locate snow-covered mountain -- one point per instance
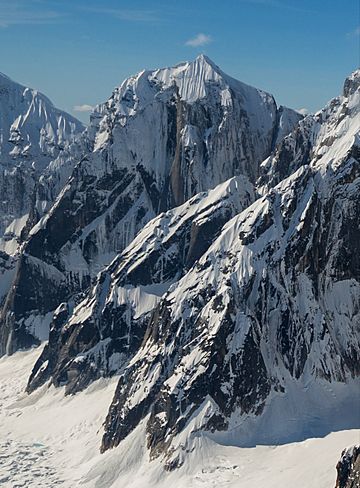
(263, 318)
(270, 310)
(33, 133)
(32, 129)
(206, 250)
(259, 316)
(161, 138)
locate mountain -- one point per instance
(235, 314)
(33, 133)
(161, 138)
(204, 253)
(268, 318)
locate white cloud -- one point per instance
(354, 33)
(199, 40)
(83, 108)
(303, 111)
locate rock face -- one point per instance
(161, 138)
(107, 328)
(348, 468)
(272, 304)
(33, 133)
(7, 272)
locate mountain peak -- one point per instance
(352, 83)
(203, 59)
(195, 78)
(191, 77)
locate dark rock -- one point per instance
(348, 469)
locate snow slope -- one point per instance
(47, 439)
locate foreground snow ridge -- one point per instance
(48, 440)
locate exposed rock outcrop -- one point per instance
(348, 468)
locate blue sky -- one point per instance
(77, 51)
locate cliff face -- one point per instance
(161, 138)
(348, 468)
